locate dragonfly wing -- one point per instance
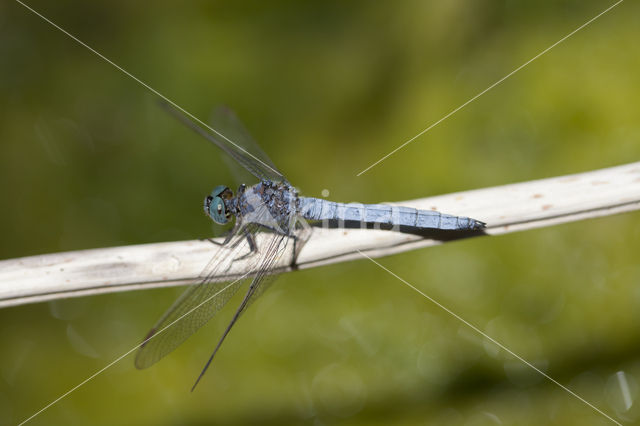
(202, 301)
(233, 144)
(275, 247)
(227, 122)
(195, 307)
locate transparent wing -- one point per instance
(226, 122)
(195, 307)
(235, 141)
(275, 248)
(202, 301)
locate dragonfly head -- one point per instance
(214, 204)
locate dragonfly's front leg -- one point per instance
(239, 229)
(225, 242)
(253, 246)
(228, 238)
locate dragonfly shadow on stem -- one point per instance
(427, 233)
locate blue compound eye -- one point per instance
(214, 206)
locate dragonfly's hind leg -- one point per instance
(300, 240)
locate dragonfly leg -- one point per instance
(225, 242)
(253, 247)
(236, 229)
(300, 240)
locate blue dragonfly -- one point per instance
(274, 207)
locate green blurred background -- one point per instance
(88, 160)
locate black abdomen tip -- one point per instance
(478, 225)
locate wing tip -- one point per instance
(479, 225)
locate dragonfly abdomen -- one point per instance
(384, 214)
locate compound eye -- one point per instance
(217, 211)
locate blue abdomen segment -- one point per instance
(383, 214)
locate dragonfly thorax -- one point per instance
(272, 205)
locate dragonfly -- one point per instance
(274, 208)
